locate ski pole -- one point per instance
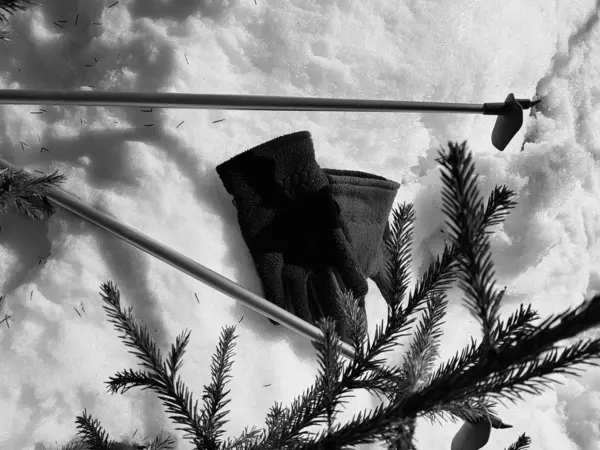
(510, 113)
(182, 263)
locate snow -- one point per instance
(161, 180)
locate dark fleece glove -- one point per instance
(290, 223)
(365, 202)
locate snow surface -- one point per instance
(161, 180)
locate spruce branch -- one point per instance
(308, 409)
(397, 244)
(516, 327)
(463, 207)
(383, 420)
(162, 376)
(470, 410)
(438, 276)
(247, 440)
(135, 335)
(92, 433)
(5, 36)
(26, 193)
(441, 273)
(417, 364)
(437, 279)
(389, 381)
(556, 327)
(522, 443)
(212, 416)
(160, 443)
(512, 357)
(500, 202)
(127, 379)
(530, 376)
(12, 6)
(364, 428)
(424, 349)
(319, 403)
(500, 379)
(398, 251)
(357, 322)
(403, 435)
(78, 445)
(284, 430)
(330, 366)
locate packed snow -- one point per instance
(157, 174)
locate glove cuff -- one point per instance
(288, 161)
(356, 178)
(365, 201)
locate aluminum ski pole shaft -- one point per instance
(181, 262)
(238, 102)
(508, 123)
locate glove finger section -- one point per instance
(313, 299)
(295, 280)
(346, 263)
(270, 269)
(326, 284)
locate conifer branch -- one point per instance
(160, 443)
(516, 327)
(308, 409)
(214, 395)
(305, 411)
(245, 441)
(92, 433)
(365, 428)
(135, 335)
(389, 381)
(330, 367)
(438, 276)
(382, 420)
(531, 375)
(403, 435)
(398, 249)
(127, 379)
(508, 357)
(12, 6)
(463, 207)
(356, 319)
(162, 377)
(78, 445)
(398, 238)
(522, 443)
(470, 410)
(27, 193)
(418, 361)
(417, 364)
(318, 404)
(500, 202)
(514, 356)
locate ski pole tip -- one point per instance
(535, 102)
